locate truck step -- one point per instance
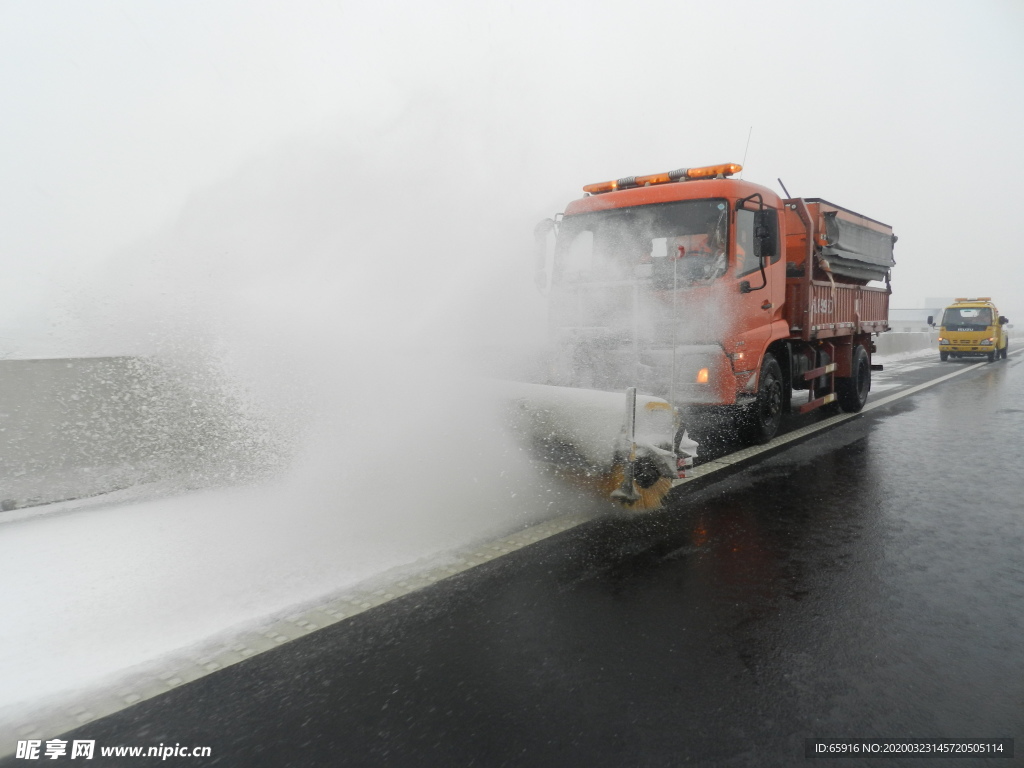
(816, 372)
(829, 398)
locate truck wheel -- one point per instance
(761, 421)
(852, 392)
(991, 357)
(943, 356)
(1004, 351)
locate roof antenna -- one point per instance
(789, 196)
(744, 163)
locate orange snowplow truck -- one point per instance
(713, 292)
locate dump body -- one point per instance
(846, 251)
(700, 291)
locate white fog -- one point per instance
(318, 218)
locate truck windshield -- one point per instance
(678, 243)
(967, 318)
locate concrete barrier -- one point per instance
(77, 427)
(893, 342)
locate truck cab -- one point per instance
(972, 328)
(675, 288)
(715, 293)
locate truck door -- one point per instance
(754, 301)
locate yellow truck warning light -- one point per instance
(682, 174)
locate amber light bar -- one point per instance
(682, 174)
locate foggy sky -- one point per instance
(119, 115)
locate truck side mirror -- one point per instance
(766, 234)
(1003, 320)
(931, 320)
(541, 237)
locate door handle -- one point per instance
(766, 305)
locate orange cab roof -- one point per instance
(665, 193)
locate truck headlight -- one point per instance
(987, 342)
(943, 341)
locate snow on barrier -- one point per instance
(76, 427)
(893, 342)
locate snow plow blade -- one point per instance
(622, 448)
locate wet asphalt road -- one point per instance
(866, 583)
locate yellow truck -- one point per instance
(972, 328)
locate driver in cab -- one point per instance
(702, 256)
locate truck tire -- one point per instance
(760, 421)
(943, 356)
(852, 392)
(1005, 350)
(992, 356)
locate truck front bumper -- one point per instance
(963, 349)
